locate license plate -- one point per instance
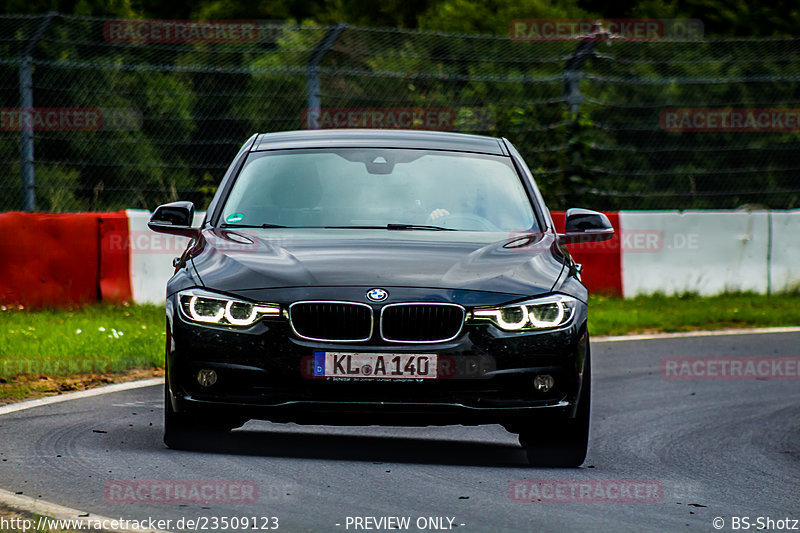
(374, 365)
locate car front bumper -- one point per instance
(263, 372)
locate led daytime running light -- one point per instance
(530, 313)
(548, 324)
(202, 318)
(226, 311)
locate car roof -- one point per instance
(374, 138)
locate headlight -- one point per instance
(210, 308)
(542, 313)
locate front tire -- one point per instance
(563, 442)
(188, 432)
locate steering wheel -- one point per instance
(465, 221)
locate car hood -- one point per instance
(273, 258)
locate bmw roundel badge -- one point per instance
(377, 295)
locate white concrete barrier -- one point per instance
(707, 252)
(784, 260)
(151, 257)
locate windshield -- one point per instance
(387, 188)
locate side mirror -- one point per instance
(583, 225)
(175, 219)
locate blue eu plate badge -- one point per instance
(319, 364)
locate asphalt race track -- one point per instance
(718, 448)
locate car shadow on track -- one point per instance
(366, 448)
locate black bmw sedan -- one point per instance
(379, 277)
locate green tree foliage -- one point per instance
(186, 107)
(721, 18)
(493, 16)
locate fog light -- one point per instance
(543, 382)
(207, 378)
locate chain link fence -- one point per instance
(101, 114)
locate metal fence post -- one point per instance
(572, 74)
(26, 119)
(312, 74)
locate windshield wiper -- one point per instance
(353, 227)
(416, 226)
(387, 226)
(394, 227)
(226, 225)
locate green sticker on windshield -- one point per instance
(234, 218)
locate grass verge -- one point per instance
(54, 351)
(50, 352)
(659, 313)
